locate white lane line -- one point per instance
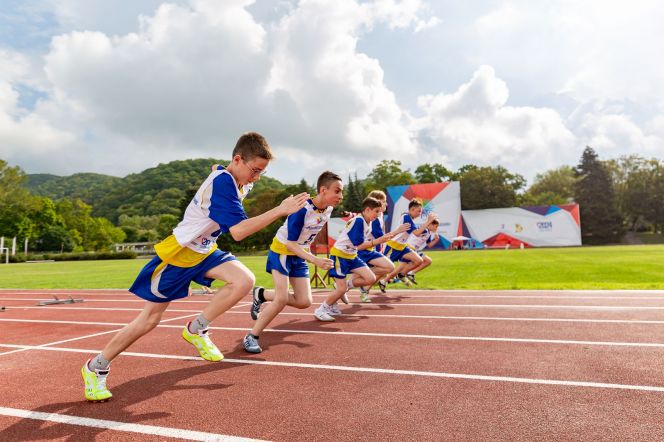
(91, 336)
(401, 304)
(395, 316)
(153, 430)
(125, 291)
(388, 371)
(371, 334)
(408, 295)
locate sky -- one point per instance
(118, 87)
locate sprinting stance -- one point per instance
(427, 239)
(191, 254)
(355, 236)
(397, 249)
(288, 257)
(379, 264)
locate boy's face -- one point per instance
(415, 211)
(333, 194)
(383, 206)
(371, 214)
(248, 171)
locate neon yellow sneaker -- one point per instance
(95, 384)
(203, 344)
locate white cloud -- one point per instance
(475, 125)
(22, 133)
(191, 78)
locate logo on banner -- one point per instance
(545, 226)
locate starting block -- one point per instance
(203, 291)
(3, 308)
(57, 300)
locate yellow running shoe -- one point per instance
(95, 384)
(203, 344)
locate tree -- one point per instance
(601, 222)
(432, 173)
(555, 186)
(388, 173)
(55, 239)
(489, 187)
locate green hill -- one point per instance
(154, 191)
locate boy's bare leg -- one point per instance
(361, 276)
(426, 262)
(279, 300)
(301, 297)
(147, 320)
(239, 282)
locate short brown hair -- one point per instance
(326, 178)
(378, 194)
(371, 203)
(414, 203)
(436, 222)
(251, 145)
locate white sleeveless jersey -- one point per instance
(356, 231)
(216, 207)
(302, 227)
(419, 242)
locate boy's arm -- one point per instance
(434, 242)
(323, 263)
(385, 238)
(432, 216)
(252, 225)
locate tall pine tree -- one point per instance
(601, 222)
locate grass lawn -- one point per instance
(614, 267)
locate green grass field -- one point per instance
(615, 267)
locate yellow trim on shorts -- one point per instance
(171, 252)
(396, 245)
(340, 254)
(280, 248)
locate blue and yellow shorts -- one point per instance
(342, 266)
(289, 265)
(163, 283)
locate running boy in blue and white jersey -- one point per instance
(191, 254)
(379, 264)
(418, 242)
(289, 253)
(355, 236)
(397, 249)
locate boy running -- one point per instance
(288, 257)
(379, 264)
(397, 249)
(427, 239)
(191, 254)
(355, 236)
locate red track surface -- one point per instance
(425, 365)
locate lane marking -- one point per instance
(389, 371)
(120, 426)
(371, 334)
(378, 315)
(408, 295)
(402, 304)
(89, 336)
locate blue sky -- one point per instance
(116, 87)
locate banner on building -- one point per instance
(540, 226)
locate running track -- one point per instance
(418, 365)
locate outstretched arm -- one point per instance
(252, 225)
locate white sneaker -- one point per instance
(334, 310)
(322, 314)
